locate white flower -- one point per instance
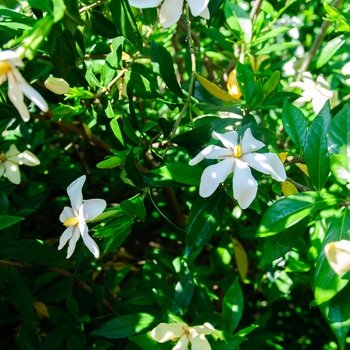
(237, 158)
(194, 335)
(57, 85)
(318, 92)
(338, 256)
(171, 10)
(346, 71)
(10, 160)
(75, 218)
(17, 86)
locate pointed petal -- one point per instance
(13, 151)
(318, 102)
(143, 4)
(250, 143)
(28, 158)
(65, 237)
(205, 13)
(229, 140)
(93, 208)
(73, 241)
(199, 342)
(245, 186)
(164, 331)
(213, 175)
(12, 172)
(266, 163)
(88, 241)
(182, 344)
(210, 152)
(66, 214)
(197, 6)
(206, 328)
(12, 58)
(170, 12)
(75, 194)
(321, 81)
(338, 256)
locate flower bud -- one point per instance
(57, 85)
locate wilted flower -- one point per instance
(318, 92)
(75, 218)
(57, 85)
(171, 10)
(237, 157)
(338, 256)
(10, 160)
(17, 86)
(194, 335)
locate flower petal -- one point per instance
(250, 143)
(338, 256)
(164, 331)
(266, 163)
(210, 152)
(213, 175)
(12, 172)
(11, 57)
(182, 344)
(75, 194)
(93, 208)
(245, 186)
(88, 241)
(199, 342)
(2, 169)
(205, 13)
(143, 4)
(206, 328)
(170, 12)
(318, 101)
(13, 151)
(73, 241)
(65, 237)
(197, 6)
(28, 158)
(229, 139)
(66, 214)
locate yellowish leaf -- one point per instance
(41, 309)
(215, 90)
(232, 85)
(283, 156)
(303, 168)
(240, 258)
(125, 56)
(288, 188)
(87, 130)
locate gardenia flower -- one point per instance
(75, 218)
(10, 160)
(338, 256)
(171, 10)
(318, 92)
(17, 86)
(194, 335)
(237, 157)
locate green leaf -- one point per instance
(116, 130)
(205, 216)
(272, 83)
(127, 325)
(103, 26)
(181, 172)
(195, 137)
(295, 124)
(276, 246)
(245, 78)
(239, 21)
(329, 50)
(113, 228)
(287, 211)
(140, 86)
(232, 306)
(135, 206)
(184, 291)
(145, 341)
(316, 153)
(72, 306)
(110, 66)
(327, 283)
(131, 170)
(8, 220)
(339, 132)
(163, 65)
(32, 252)
(340, 168)
(22, 298)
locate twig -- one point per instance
(95, 4)
(256, 9)
(300, 187)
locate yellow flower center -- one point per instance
(237, 151)
(4, 68)
(71, 221)
(2, 157)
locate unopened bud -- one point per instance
(57, 85)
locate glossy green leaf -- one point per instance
(140, 85)
(164, 66)
(326, 282)
(339, 132)
(329, 50)
(245, 78)
(316, 153)
(113, 228)
(205, 216)
(239, 21)
(116, 130)
(135, 206)
(277, 245)
(340, 168)
(195, 137)
(109, 70)
(272, 83)
(146, 342)
(184, 291)
(132, 172)
(289, 210)
(232, 306)
(294, 123)
(102, 25)
(8, 220)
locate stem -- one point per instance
(317, 43)
(95, 4)
(256, 9)
(298, 185)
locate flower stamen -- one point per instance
(71, 221)
(237, 151)
(4, 68)
(2, 157)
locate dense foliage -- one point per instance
(190, 160)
